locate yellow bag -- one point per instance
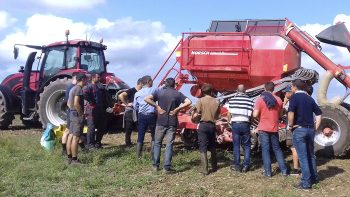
(59, 131)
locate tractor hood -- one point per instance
(113, 82)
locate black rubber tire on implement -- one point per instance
(51, 105)
(6, 118)
(340, 118)
(190, 138)
(31, 123)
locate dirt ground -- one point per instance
(334, 175)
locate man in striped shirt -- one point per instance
(240, 110)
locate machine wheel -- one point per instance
(52, 105)
(5, 117)
(333, 136)
(189, 138)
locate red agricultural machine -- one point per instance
(252, 52)
(37, 94)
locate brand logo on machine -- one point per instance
(213, 53)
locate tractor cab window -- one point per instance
(71, 57)
(54, 61)
(92, 60)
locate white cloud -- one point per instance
(71, 4)
(6, 20)
(135, 48)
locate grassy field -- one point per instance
(28, 170)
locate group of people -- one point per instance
(155, 110)
(86, 103)
(303, 118)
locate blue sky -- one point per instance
(140, 34)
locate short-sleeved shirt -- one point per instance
(131, 94)
(304, 108)
(140, 104)
(209, 108)
(241, 107)
(268, 118)
(94, 95)
(168, 99)
(69, 87)
(75, 91)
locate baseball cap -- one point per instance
(287, 89)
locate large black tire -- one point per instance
(6, 118)
(338, 119)
(52, 105)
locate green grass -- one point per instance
(26, 169)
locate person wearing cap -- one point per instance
(76, 106)
(208, 111)
(287, 94)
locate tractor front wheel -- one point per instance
(189, 138)
(52, 105)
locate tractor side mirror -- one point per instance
(106, 63)
(21, 69)
(15, 52)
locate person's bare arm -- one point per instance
(290, 119)
(318, 121)
(183, 105)
(123, 97)
(256, 113)
(77, 105)
(150, 100)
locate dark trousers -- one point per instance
(241, 136)
(206, 136)
(145, 122)
(96, 122)
(129, 126)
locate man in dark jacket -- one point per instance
(94, 94)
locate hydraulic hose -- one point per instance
(323, 88)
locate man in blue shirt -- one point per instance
(302, 108)
(146, 114)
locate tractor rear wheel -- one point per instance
(5, 117)
(333, 136)
(52, 105)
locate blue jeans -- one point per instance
(169, 134)
(241, 136)
(303, 141)
(265, 139)
(146, 122)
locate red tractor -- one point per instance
(252, 52)
(37, 95)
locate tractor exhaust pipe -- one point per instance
(323, 88)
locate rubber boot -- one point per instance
(127, 139)
(139, 147)
(152, 151)
(204, 163)
(213, 160)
